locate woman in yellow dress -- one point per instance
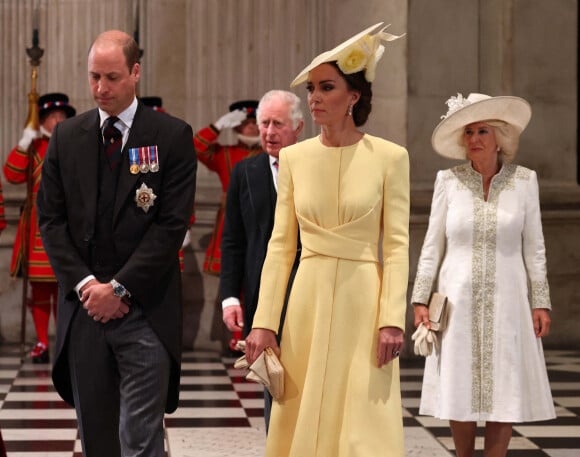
(347, 193)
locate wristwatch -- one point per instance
(119, 289)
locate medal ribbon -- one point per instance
(153, 159)
(143, 153)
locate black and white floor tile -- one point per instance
(220, 414)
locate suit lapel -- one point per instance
(87, 163)
(261, 191)
(143, 133)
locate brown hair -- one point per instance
(131, 51)
(358, 83)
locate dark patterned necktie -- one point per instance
(113, 142)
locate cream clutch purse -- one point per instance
(266, 370)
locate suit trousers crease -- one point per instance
(119, 372)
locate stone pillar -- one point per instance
(496, 21)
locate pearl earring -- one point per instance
(350, 110)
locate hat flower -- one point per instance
(353, 59)
(361, 55)
(455, 104)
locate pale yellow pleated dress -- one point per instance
(352, 207)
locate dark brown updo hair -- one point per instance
(357, 82)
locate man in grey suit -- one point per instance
(115, 198)
(249, 219)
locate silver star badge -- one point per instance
(144, 197)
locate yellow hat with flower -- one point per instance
(360, 52)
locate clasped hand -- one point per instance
(100, 302)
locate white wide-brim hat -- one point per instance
(360, 52)
(447, 138)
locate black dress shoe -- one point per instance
(39, 353)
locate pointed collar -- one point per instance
(126, 116)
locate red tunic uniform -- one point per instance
(220, 159)
(39, 268)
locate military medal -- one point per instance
(134, 160)
(144, 197)
(144, 159)
(153, 159)
(144, 165)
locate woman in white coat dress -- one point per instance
(484, 249)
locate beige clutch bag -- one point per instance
(266, 370)
(438, 311)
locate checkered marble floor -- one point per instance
(220, 414)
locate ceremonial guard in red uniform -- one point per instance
(52, 109)
(156, 104)
(221, 160)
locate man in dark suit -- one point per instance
(116, 195)
(249, 219)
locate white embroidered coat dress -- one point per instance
(488, 257)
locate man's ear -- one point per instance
(299, 128)
(136, 71)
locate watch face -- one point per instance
(119, 290)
